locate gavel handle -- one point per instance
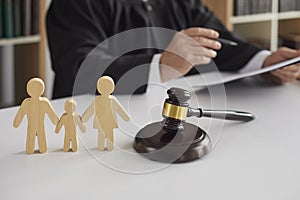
(222, 114)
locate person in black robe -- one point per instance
(76, 27)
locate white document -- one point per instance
(215, 78)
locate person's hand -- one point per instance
(190, 47)
(286, 74)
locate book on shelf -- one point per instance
(8, 18)
(297, 4)
(247, 7)
(35, 7)
(288, 5)
(239, 7)
(19, 18)
(1, 20)
(267, 8)
(26, 17)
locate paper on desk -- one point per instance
(216, 78)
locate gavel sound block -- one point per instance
(175, 141)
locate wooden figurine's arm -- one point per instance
(51, 113)
(60, 124)
(89, 112)
(118, 108)
(20, 114)
(80, 124)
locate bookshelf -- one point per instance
(28, 56)
(20, 40)
(267, 26)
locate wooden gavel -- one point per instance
(173, 140)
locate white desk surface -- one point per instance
(256, 160)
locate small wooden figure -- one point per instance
(105, 107)
(69, 120)
(35, 107)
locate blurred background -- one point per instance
(23, 42)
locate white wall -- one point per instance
(7, 81)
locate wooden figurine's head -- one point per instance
(105, 85)
(35, 87)
(70, 106)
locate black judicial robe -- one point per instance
(76, 27)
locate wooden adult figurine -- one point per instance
(105, 107)
(69, 120)
(35, 107)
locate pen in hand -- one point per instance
(227, 42)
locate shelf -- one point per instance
(252, 18)
(289, 15)
(26, 56)
(264, 17)
(20, 40)
(263, 25)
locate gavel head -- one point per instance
(175, 109)
(173, 140)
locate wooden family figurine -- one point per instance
(105, 107)
(70, 120)
(35, 107)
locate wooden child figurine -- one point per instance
(35, 107)
(69, 120)
(105, 107)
